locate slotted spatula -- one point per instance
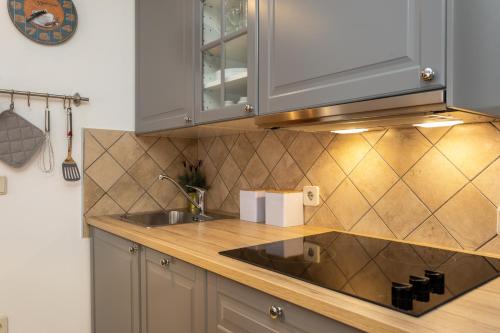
(69, 166)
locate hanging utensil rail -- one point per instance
(76, 98)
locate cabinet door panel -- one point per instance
(115, 285)
(164, 82)
(172, 295)
(323, 52)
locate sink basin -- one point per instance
(172, 217)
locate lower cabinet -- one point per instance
(232, 307)
(115, 284)
(173, 295)
(139, 290)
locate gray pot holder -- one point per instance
(19, 139)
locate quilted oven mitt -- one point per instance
(19, 139)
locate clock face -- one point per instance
(48, 22)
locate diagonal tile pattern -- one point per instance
(401, 183)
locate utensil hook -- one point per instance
(29, 98)
(47, 102)
(12, 100)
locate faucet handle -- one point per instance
(198, 189)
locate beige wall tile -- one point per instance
(105, 206)
(178, 202)
(92, 150)
(348, 150)
(305, 149)
(163, 152)
(372, 225)
(242, 151)
(373, 177)
(286, 137)
(347, 204)
(373, 136)
(230, 206)
(401, 210)
(163, 192)
(434, 134)
(270, 150)
(230, 172)
(144, 204)
(145, 141)
(270, 184)
(324, 138)
(92, 193)
(207, 142)
(240, 184)
(325, 218)
(434, 179)
(326, 174)
(287, 173)
(126, 151)
(217, 194)
(255, 138)
(209, 170)
(229, 140)
(106, 137)
(105, 171)
(255, 172)
(471, 147)
(125, 192)
(218, 153)
(469, 217)
(496, 124)
(402, 148)
(488, 182)
(145, 171)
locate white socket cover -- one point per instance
(311, 195)
(4, 325)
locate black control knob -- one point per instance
(437, 281)
(421, 287)
(402, 296)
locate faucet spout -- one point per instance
(200, 203)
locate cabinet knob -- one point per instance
(276, 312)
(133, 249)
(427, 74)
(165, 262)
(249, 108)
(188, 119)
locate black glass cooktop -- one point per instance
(407, 278)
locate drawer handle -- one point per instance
(165, 262)
(276, 312)
(133, 249)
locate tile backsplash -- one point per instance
(438, 186)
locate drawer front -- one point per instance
(175, 265)
(235, 308)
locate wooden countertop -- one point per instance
(200, 243)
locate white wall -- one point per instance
(44, 262)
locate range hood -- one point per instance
(424, 109)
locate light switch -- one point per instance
(4, 326)
(3, 187)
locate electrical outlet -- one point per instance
(4, 325)
(311, 195)
(3, 189)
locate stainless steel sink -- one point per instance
(164, 218)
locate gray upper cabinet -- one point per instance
(226, 33)
(325, 52)
(173, 295)
(234, 308)
(115, 284)
(164, 64)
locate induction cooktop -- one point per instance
(407, 278)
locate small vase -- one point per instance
(192, 208)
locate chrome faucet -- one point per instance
(199, 202)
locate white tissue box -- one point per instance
(253, 205)
(284, 208)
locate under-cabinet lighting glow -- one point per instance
(350, 131)
(440, 124)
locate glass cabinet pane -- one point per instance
(212, 21)
(212, 64)
(235, 16)
(235, 71)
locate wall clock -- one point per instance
(48, 22)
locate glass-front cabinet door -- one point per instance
(226, 60)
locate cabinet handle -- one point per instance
(276, 312)
(133, 249)
(249, 108)
(165, 262)
(427, 74)
(188, 119)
